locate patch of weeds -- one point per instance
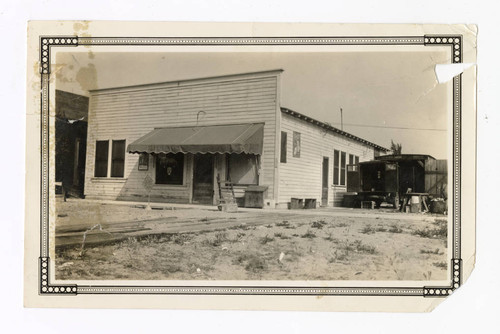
(281, 235)
(395, 229)
(269, 226)
(217, 240)
(181, 239)
(240, 235)
(435, 252)
(252, 262)
(362, 248)
(170, 268)
(428, 275)
(339, 256)
(309, 235)
(284, 223)
(318, 224)
(441, 265)
(381, 229)
(368, 229)
(204, 219)
(358, 247)
(265, 240)
(341, 225)
(295, 235)
(440, 232)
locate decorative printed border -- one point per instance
(46, 288)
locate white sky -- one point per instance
(375, 89)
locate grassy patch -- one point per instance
(428, 251)
(281, 235)
(265, 240)
(216, 240)
(395, 229)
(440, 231)
(252, 262)
(362, 248)
(309, 235)
(440, 265)
(368, 229)
(318, 224)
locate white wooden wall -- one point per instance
(302, 177)
(131, 112)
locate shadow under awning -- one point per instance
(236, 138)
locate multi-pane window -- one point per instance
(342, 168)
(336, 164)
(340, 162)
(170, 168)
(118, 158)
(101, 158)
(283, 147)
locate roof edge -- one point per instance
(223, 76)
(331, 128)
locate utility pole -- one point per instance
(341, 120)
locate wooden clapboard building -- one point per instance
(174, 140)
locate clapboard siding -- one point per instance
(301, 177)
(131, 112)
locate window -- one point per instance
(118, 158)
(296, 144)
(101, 158)
(170, 168)
(242, 168)
(351, 159)
(342, 168)
(336, 162)
(283, 147)
(356, 159)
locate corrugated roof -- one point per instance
(331, 128)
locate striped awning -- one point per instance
(236, 138)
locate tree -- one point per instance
(396, 148)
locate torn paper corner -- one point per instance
(446, 72)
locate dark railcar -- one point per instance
(387, 177)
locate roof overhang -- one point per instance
(328, 127)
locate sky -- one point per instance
(384, 95)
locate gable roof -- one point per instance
(331, 128)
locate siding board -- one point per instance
(301, 177)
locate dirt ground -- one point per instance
(323, 244)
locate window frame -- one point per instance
(228, 169)
(113, 159)
(336, 167)
(283, 146)
(343, 164)
(105, 161)
(183, 178)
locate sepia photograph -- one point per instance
(177, 165)
(259, 165)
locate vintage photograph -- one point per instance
(266, 165)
